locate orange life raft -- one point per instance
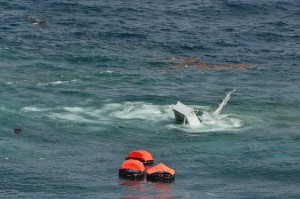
(132, 169)
(143, 156)
(161, 173)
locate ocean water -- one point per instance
(99, 80)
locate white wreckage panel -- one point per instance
(185, 114)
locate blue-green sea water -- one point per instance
(98, 80)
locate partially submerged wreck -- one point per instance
(187, 115)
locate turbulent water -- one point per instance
(98, 80)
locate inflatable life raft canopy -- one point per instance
(132, 169)
(161, 173)
(143, 156)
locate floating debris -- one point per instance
(193, 61)
(185, 115)
(36, 21)
(223, 103)
(17, 130)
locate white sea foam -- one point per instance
(54, 83)
(74, 109)
(211, 194)
(71, 117)
(33, 109)
(62, 82)
(151, 113)
(140, 110)
(105, 72)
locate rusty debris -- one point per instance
(193, 61)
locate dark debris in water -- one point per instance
(195, 62)
(121, 127)
(36, 21)
(17, 130)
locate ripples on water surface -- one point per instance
(99, 81)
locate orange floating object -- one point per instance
(143, 156)
(132, 169)
(160, 172)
